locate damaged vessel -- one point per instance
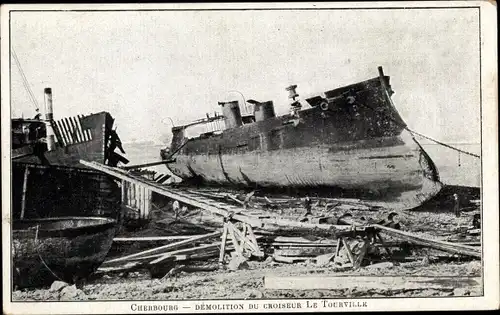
(349, 140)
(64, 142)
(48, 179)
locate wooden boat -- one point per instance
(65, 248)
(350, 139)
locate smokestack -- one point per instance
(49, 117)
(232, 114)
(263, 111)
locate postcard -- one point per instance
(249, 157)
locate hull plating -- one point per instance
(400, 175)
(357, 142)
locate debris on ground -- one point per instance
(187, 252)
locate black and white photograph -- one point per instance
(279, 157)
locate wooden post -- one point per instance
(237, 245)
(25, 188)
(362, 254)
(147, 203)
(223, 245)
(245, 241)
(383, 243)
(348, 249)
(133, 200)
(139, 201)
(339, 244)
(251, 235)
(123, 202)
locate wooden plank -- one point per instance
(453, 248)
(231, 230)
(299, 244)
(134, 196)
(361, 255)
(168, 246)
(151, 238)
(162, 190)
(25, 189)
(79, 134)
(368, 282)
(223, 245)
(275, 224)
(129, 194)
(67, 130)
(147, 204)
(84, 134)
(387, 250)
(295, 240)
(304, 251)
(74, 132)
(131, 167)
(348, 250)
(251, 236)
(199, 249)
(289, 260)
(25, 151)
(163, 178)
(339, 244)
(57, 133)
(138, 190)
(124, 192)
(63, 133)
(246, 240)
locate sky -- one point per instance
(148, 67)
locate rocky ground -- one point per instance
(248, 282)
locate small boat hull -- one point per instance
(65, 248)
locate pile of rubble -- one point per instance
(292, 234)
(263, 234)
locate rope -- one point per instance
(40, 256)
(443, 144)
(421, 135)
(25, 80)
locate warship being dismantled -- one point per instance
(348, 139)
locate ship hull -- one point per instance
(400, 175)
(351, 139)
